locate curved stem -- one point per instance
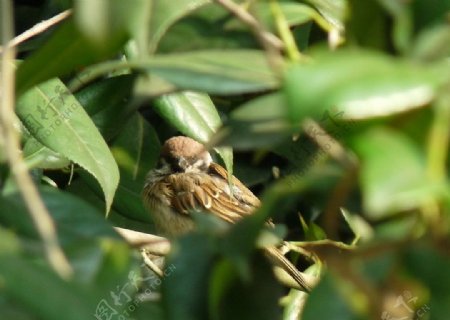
(11, 143)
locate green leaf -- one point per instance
(211, 26)
(56, 119)
(211, 71)
(214, 71)
(393, 173)
(184, 291)
(86, 237)
(107, 102)
(327, 301)
(242, 299)
(106, 22)
(36, 155)
(260, 122)
(192, 113)
(165, 13)
(432, 44)
(360, 84)
(195, 115)
(334, 11)
(136, 151)
(65, 51)
(368, 35)
(73, 217)
(17, 273)
(294, 13)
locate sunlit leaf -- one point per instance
(56, 119)
(195, 115)
(360, 84)
(393, 175)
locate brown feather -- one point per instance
(171, 197)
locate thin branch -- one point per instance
(285, 32)
(11, 141)
(271, 43)
(37, 29)
(341, 191)
(329, 144)
(153, 244)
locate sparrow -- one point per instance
(187, 180)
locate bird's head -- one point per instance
(184, 154)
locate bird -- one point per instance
(187, 180)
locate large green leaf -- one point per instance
(37, 155)
(107, 102)
(393, 172)
(360, 84)
(97, 31)
(86, 237)
(184, 291)
(214, 71)
(98, 255)
(17, 273)
(65, 51)
(239, 298)
(327, 301)
(195, 115)
(56, 119)
(208, 27)
(258, 122)
(136, 151)
(211, 71)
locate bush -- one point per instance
(337, 113)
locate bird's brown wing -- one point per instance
(210, 192)
(245, 196)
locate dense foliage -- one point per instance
(338, 115)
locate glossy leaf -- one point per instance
(259, 122)
(108, 104)
(195, 115)
(136, 151)
(56, 119)
(214, 71)
(359, 84)
(211, 26)
(39, 156)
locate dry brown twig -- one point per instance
(37, 29)
(153, 244)
(11, 144)
(270, 42)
